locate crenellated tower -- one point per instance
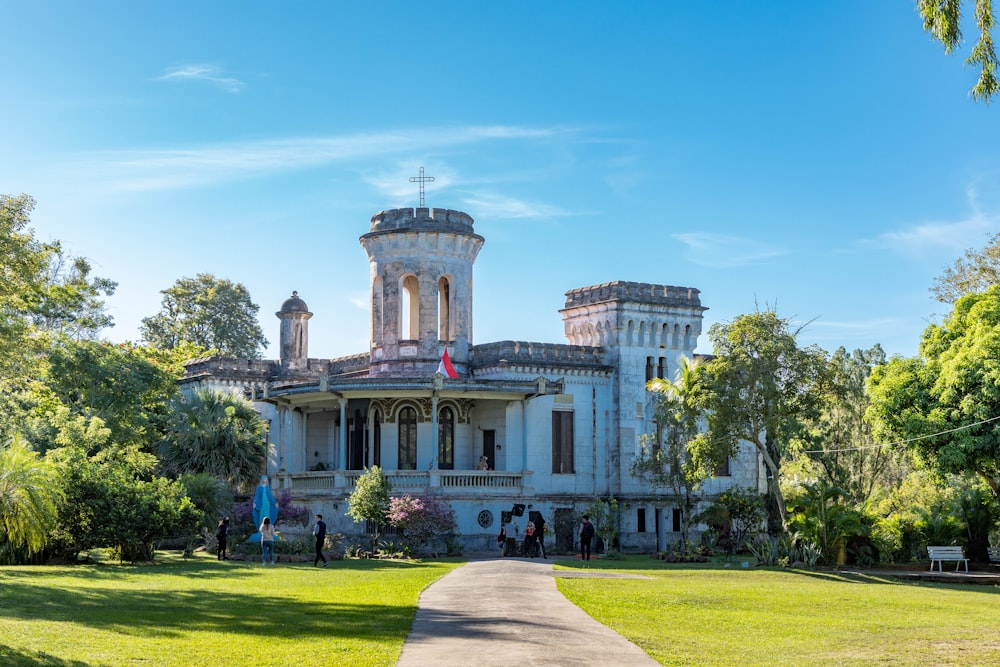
(421, 289)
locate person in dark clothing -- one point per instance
(319, 531)
(221, 535)
(586, 535)
(539, 521)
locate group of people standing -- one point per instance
(534, 537)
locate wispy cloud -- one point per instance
(212, 164)
(953, 236)
(210, 73)
(721, 251)
(936, 236)
(488, 206)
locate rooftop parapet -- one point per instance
(521, 352)
(421, 219)
(667, 295)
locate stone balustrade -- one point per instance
(403, 480)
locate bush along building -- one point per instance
(559, 425)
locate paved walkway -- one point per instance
(508, 612)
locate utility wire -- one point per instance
(900, 442)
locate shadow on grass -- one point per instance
(11, 657)
(27, 596)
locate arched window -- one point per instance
(446, 439)
(409, 316)
(377, 311)
(445, 327)
(377, 438)
(407, 439)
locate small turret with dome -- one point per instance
(294, 316)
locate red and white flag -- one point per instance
(446, 368)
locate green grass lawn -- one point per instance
(710, 615)
(200, 611)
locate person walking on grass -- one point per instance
(319, 532)
(586, 535)
(267, 541)
(221, 535)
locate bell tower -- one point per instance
(421, 289)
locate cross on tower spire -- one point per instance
(421, 179)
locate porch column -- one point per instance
(342, 458)
(524, 434)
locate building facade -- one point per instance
(559, 425)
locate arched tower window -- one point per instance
(446, 329)
(446, 439)
(407, 439)
(687, 337)
(409, 317)
(377, 311)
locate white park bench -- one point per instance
(940, 554)
(994, 555)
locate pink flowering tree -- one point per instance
(419, 520)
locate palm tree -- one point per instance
(677, 419)
(217, 433)
(30, 497)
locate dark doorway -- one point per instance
(356, 442)
(490, 447)
(565, 529)
(659, 524)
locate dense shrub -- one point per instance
(419, 520)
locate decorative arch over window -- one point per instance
(446, 326)
(407, 422)
(446, 439)
(409, 307)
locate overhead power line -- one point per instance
(901, 442)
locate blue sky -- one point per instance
(821, 158)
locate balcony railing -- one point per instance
(403, 480)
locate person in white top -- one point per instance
(512, 532)
(267, 540)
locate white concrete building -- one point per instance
(560, 424)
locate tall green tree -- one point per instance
(23, 261)
(217, 433)
(30, 498)
(125, 386)
(946, 402)
(668, 458)
(72, 301)
(213, 313)
(943, 20)
(975, 271)
(760, 387)
(370, 501)
(841, 449)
